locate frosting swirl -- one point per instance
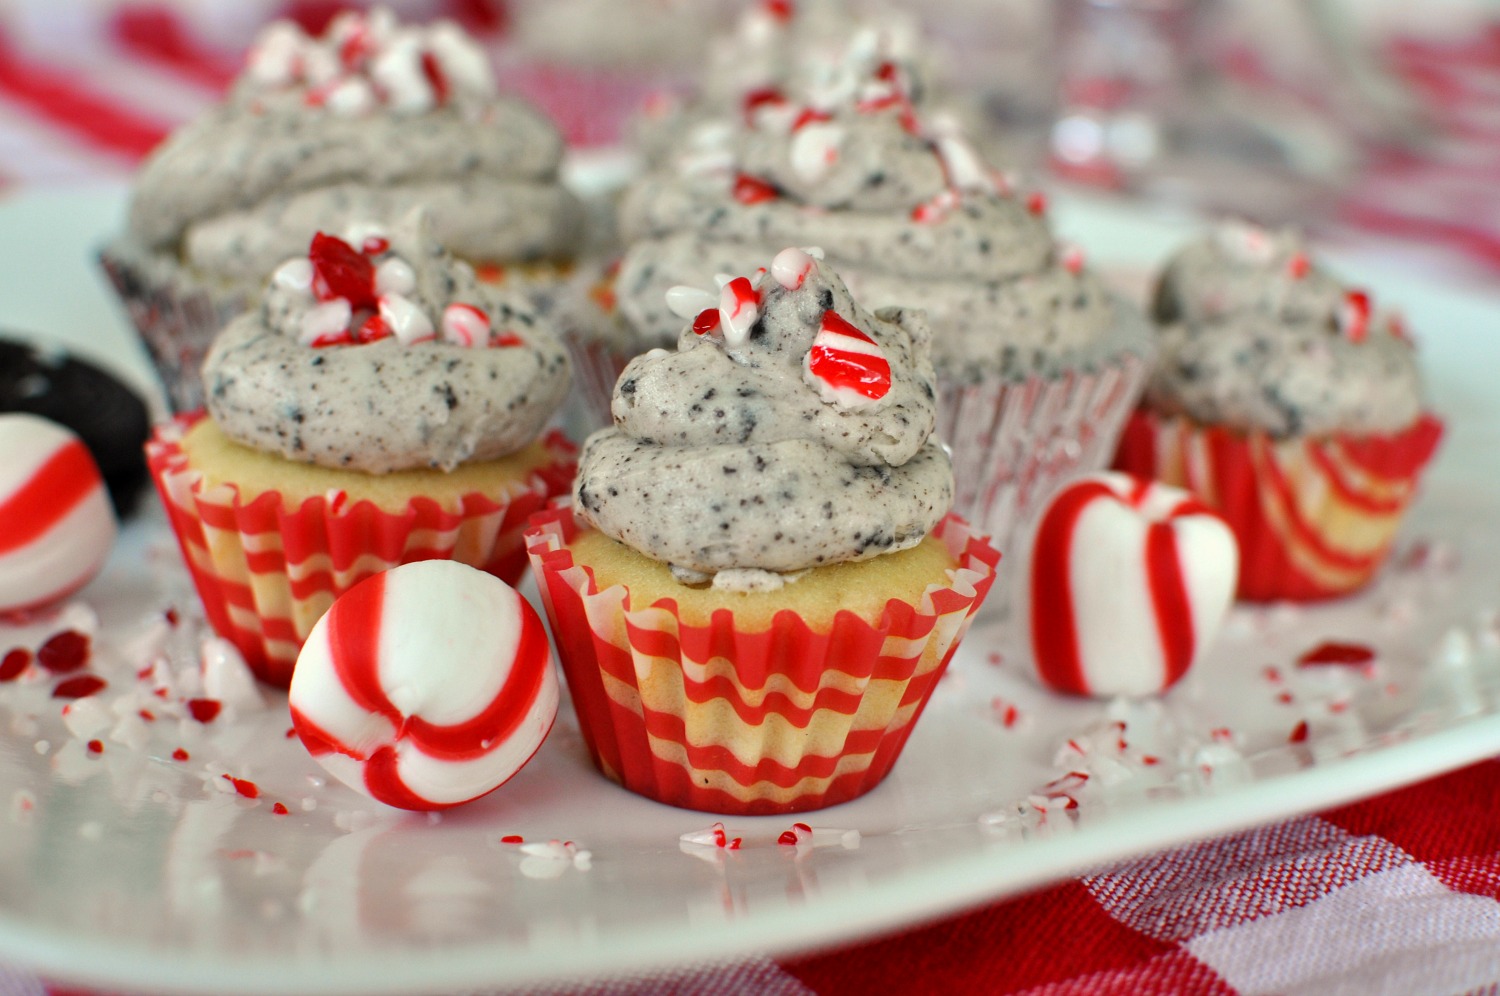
(1258, 338)
(369, 120)
(381, 353)
(905, 208)
(790, 428)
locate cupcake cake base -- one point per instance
(270, 543)
(753, 703)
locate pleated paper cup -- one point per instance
(267, 570)
(804, 714)
(1015, 443)
(1315, 518)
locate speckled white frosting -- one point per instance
(368, 121)
(905, 209)
(1257, 337)
(728, 454)
(390, 404)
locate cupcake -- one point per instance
(1288, 404)
(366, 121)
(758, 582)
(379, 406)
(1037, 363)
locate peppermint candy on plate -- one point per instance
(1129, 581)
(56, 522)
(426, 686)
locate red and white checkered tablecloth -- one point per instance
(1396, 894)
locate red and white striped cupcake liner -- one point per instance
(717, 718)
(1315, 518)
(267, 572)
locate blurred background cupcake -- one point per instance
(366, 120)
(758, 583)
(379, 405)
(1037, 362)
(1287, 403)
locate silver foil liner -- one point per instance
(176, 316)
(1016, 441)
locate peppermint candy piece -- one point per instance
(739, 309)
(341, 271)
(1130, 580)
(844, 365)
(56, 524)
(791, 266)
(426, 686)
(465, 325)
(1354, 316)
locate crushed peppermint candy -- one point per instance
(845, 366)
(358, 292)
(364, 62)
(715, 836)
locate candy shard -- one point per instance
(426, 686)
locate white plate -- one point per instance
(133, 870)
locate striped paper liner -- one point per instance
(1315, 518)
(716, 718)
(1015, 443)
(176, 315)
(266, 572)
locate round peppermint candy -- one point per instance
(56, 523)
(426, 686)
(1130, 579)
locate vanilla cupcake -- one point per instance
(758, 582)
(367, 121)
(379, 406)
(1286, 402)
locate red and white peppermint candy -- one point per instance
(1354, 316)
(791, 266)
(845, 366)
(466, 325)
(739, 309)
(426, 686)
(814, 148)
(1130, 580)
(56, 524)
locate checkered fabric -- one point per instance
(1398, 894)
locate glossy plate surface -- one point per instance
(133, 870)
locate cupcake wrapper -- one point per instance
(1315, 518)
(737, 722)
(176, 317)
(266, 572)
(1015, 443)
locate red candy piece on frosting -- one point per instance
(1354, 316)
(753, 190)
(1130, 580)
(340, 270)
(426, 686)
(846, 365)
(56, 523)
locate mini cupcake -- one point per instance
(367, 121)
(1037, 363)
(758, 583)
(380, 406)
(1287, 404)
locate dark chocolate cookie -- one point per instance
(108, 416)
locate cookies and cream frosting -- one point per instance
(378, 351)
(790, 428)
(366, 121)
(1257, 337)
(906, 210)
